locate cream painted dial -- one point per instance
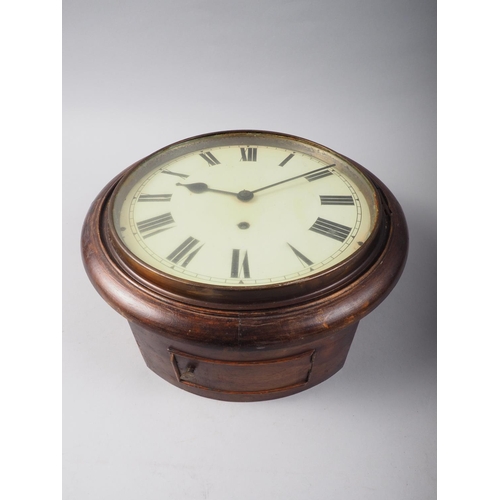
(244, 211)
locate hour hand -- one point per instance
(201, 187)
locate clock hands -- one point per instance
(245, 195)
(201, 187)
(293, 178)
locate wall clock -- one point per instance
(244, 260)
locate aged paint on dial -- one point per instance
(245, 215)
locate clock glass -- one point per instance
(244, 209)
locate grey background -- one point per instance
(357, 76)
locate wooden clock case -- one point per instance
(249, 349)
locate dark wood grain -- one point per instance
(243, 373)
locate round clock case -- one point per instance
(244, 260)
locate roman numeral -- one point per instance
(154, 197)
(183, 254)
(248, 154)
(318, 175)
(237, 268)
(184, 176)
(303, 259)
(210, 158)
(336, 200)
(155, 225)
(331, 229)
(286, 160)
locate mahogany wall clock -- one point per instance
(244, 260)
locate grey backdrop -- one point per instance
(355, 75)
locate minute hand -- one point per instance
(293, 178)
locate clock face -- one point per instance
(244, 209)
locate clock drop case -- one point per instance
(244, 260)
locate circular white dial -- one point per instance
(245, 214)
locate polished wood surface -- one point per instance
(244, 374)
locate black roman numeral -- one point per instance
(248, 154)
(210, 158)
(336, 200)
(286, 160)
(183, 254)
(318, 175)
(155, 225)
(303, 259)
(184, 176)
(154, 197)
(236, 268)
(331, 229)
